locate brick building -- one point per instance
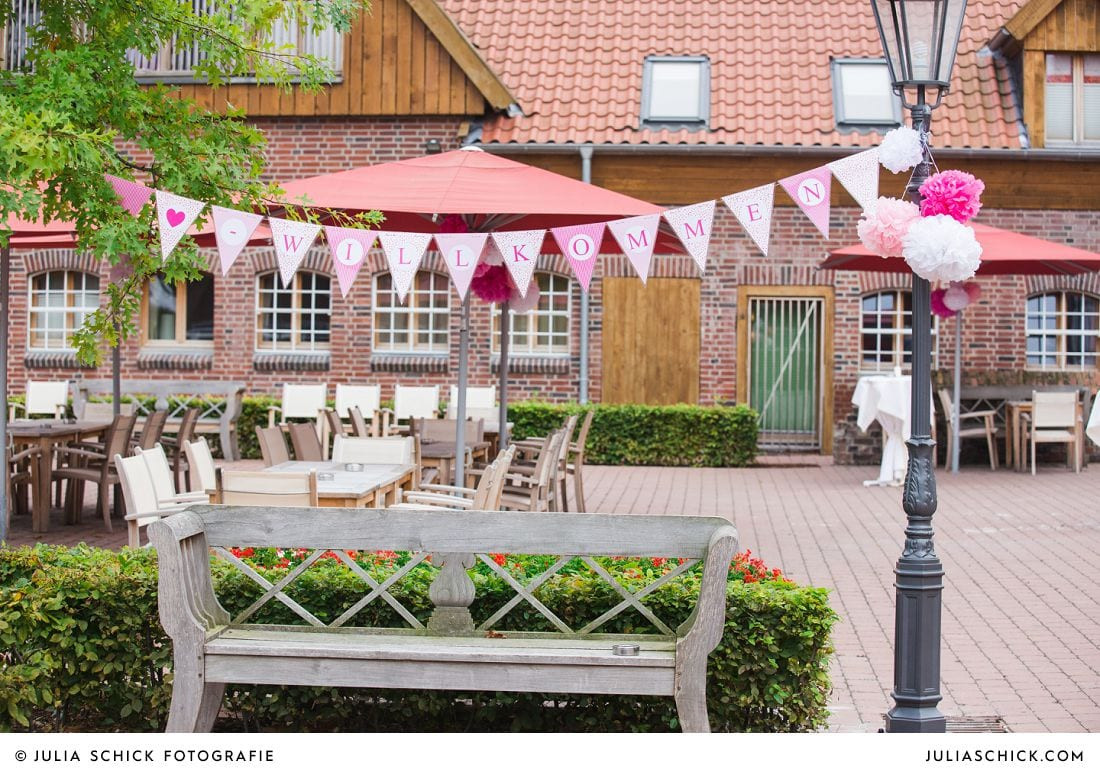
(675, 105)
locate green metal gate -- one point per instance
(785, 370)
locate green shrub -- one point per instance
(666, 435)
(82, 648)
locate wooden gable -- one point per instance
(406, 57)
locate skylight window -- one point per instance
(862, 93)
(676, 90)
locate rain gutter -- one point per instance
(586, 177)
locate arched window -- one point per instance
(886, 331)
(1062, 330)
(297, 318)
(419, 326)
(59, 302)
(544, 331)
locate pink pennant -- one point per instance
(232, 230)
(692, 224)
(520, 250)
(461, 253)
(580, 244)
(349, 248)
(292, 239)
(404, 251)
(132, 195)
(175, 214)
(637, 236)
(810, 191)
(753, 209)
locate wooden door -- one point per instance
(650, 341)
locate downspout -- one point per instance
(586, 177)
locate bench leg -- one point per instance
(691, 699)
(195, 704)
(229, 448)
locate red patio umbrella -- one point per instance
(1003, 252)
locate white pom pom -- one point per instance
(956, 297)
(520, 304)
(900, 149)
(492, 256)
(941, 249)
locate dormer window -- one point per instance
(862, 94)
(1072, 98)
(676, 91)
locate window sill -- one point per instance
(268, 362)
(54, 359)
(175, 358)
(409, 363)
(535, 364)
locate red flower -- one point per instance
(498, 558)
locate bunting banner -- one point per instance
(404, 251)
(461, 253)
(691, 225)
(858, 174)
(292, 239)
(175, 214)
(349, 248)
(753, 210)
(580, 245)
(131, 195)
(637, 237)
(232, 230)
(810, 191)
(520, 250)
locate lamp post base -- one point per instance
(914, 719)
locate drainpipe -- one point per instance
(586, 177)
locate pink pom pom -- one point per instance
(881, 229)
(521, 305)
(493, 285)
(453, 224)
(953, 193)
(938, 306)
(955, 297)
(974, 290)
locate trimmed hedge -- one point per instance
(82, 648)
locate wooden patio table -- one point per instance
(376, 485)
(46, 435)
(441, 455)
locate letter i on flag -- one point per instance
(810, 191)
(292, 239)
(131, 195)
(461, 253)
(404, 251)
(349, 248)
(232, 230)
(520, 250)
(580, 244)
(637, 236)
(753, 209)
(175, 214)
(692, 224)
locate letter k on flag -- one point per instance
(520, 250)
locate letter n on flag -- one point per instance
(404, 250)
(520, 250)
(349, 248)
(580, 244)
(461, 253)
(692, 224)
(810, 191)
(292, 239)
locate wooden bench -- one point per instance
(213, 648)
(220, 404)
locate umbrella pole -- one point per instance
(460, 409)
(5, 281)
(956, 397)
(116, 370)
(505, 325)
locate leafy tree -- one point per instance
(75, 112)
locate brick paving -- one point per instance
(1021, 619)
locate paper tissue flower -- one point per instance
(881, 229)
(900, 149)
(491, 284)
(522, 305)
(956, 297)
(953, 193)
(939, 308)
(941, 249)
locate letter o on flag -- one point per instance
(582, 247)
(350, 252)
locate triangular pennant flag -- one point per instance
(349, 251)
(753, 209)
(580, 244)
(292, 239)
(132, 195)
(175, 214)
(810, 191)
(461, 253)
(859, 175)
(520, 250)
(404, 251)
(637, 236)
(232, 230)
(692, 225)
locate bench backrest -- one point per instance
(220, 402)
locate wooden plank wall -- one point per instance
(650, 344)
(393, 65)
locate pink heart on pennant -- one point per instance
(174, 217)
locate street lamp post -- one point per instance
(919, 39)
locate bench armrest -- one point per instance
(188, 607)
(435, 488)
(702, 631)
(438, 499)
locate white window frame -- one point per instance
(842, 119)
(296, 311)
(1060, 332)
(69, 309)
(898, 330)
(1078, 84)
(385, 302)
(701, 118)
(558, 286)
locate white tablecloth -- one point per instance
(1092, 429)
(887, 400)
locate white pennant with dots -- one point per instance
(520, 250)
(175, 214)
(292, 239)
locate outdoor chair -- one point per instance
(152, 430)
(1054, 419)
(185, 434)
(375, 450)
(20, 478)
(79, 466)
(200, 463)
(142, 507)
(334, 426)
(558, 476)
(300, 401)
(366, 397)
(43, 398)
(529, 485)
(267, 489)
(972, 424)
(359, 426)
(306, 443)
(576, 467)
(164, 487)
(272, 445)
(413, 403)
(104, 411)
(481, 403)
(486, 496)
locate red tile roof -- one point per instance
(575, 67)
